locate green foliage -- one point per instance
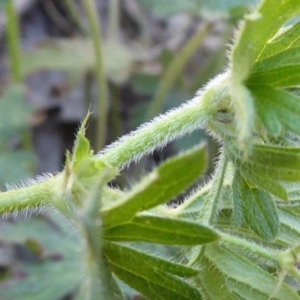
(76, 56)
(15, 164)
(238, 236)
(45, 267)
(159, 187)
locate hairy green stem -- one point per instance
(27, 198)
(194, 202)
(13, 41)
(209, 209)
(174, 70)
(156, 134)
(253, 248)
(190, 116)
(94, 24)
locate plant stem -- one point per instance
(94, 24)
(156, 134)
(114, 17)
(190, 116)
(13, 40)
(193, 203)
(174, 70)
(209, 209)
(27, 198)
(252, 248)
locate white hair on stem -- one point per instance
(163, 129)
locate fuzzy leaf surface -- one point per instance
(162, 230)
(213, 282)
(159, 187)
(147, 272)
(142, 259)
(260, 212)
(155, 285)
(266, 184)
(289, 227)
(244, 272)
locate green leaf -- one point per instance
(148, 269)
(260, 212)
(54, 274)
(278, 157)
(113, 250)
(162, 230)
(270, 172)
(238, 214)
(257, 30)
(289, 57)
(279, 77)
(287, 38)
(213, 282)
(244, 272)
(118, 252)
(167, 181)
(14, 112)
(155, 285)
(77, 55)
(245, 291)
(280, 54)
(290, 227)
(266, 184)
(277, 109)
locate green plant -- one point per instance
(237, 237)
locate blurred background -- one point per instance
(126, 61)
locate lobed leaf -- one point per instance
(159, 187)
(246, 275)
(143, 260)
(162, 230)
